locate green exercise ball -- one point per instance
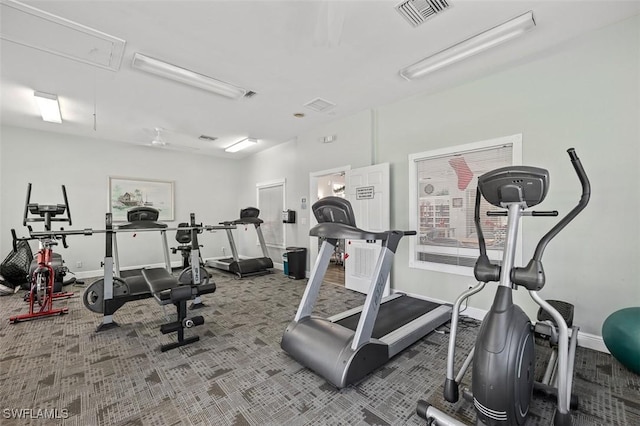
(621, 334)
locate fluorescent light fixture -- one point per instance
(471, 46)
(185, 76)
(49, 107)
(243, 144)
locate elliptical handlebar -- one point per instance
(532, 276)
(584, 200)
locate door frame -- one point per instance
(313, 193)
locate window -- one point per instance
(442, 200)
(271, 203)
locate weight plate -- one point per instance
(185, 276)
(93, 297)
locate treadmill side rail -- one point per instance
(358, 309)
(405, 336)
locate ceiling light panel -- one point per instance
(471, 46)
(41, 30)
(185, 76)
(49, 107)
(243, 144)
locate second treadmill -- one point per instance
(346, 347)
(245, 267)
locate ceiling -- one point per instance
(288, 52)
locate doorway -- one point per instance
(324, 184)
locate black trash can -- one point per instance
(297, 262)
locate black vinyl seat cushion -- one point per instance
(161, 282)
(159, 279)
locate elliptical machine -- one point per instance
(504, 354)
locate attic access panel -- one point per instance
(44, 31)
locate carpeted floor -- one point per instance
(237, 374)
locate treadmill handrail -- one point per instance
(247, 221)
(344, 231)
(142, 224)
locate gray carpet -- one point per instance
(237, 374)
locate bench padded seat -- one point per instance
(159, 279)
(161, 282)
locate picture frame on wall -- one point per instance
(126, 193)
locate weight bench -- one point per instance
(166, 289)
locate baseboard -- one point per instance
(585, 340)
(592, 341)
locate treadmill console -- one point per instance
(142, 213)
(334, 210)
(143, 217)
(249, 212)
(514, 184)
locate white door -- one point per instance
(367, 189)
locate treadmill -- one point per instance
(346, 347)
(245, 267)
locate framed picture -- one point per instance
(456, 202)
(125, 193)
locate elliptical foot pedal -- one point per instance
(564, 308)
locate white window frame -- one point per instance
(516, 143)
(270, 184)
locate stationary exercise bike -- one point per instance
(504, 354)
(47, 267)
(187, 248)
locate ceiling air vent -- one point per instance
(249, 94)
(207, 138)
(418, 11)
(320, 105)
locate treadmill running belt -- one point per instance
(392, 315)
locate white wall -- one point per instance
(49, 160)
(584, 94)
(294, 161)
